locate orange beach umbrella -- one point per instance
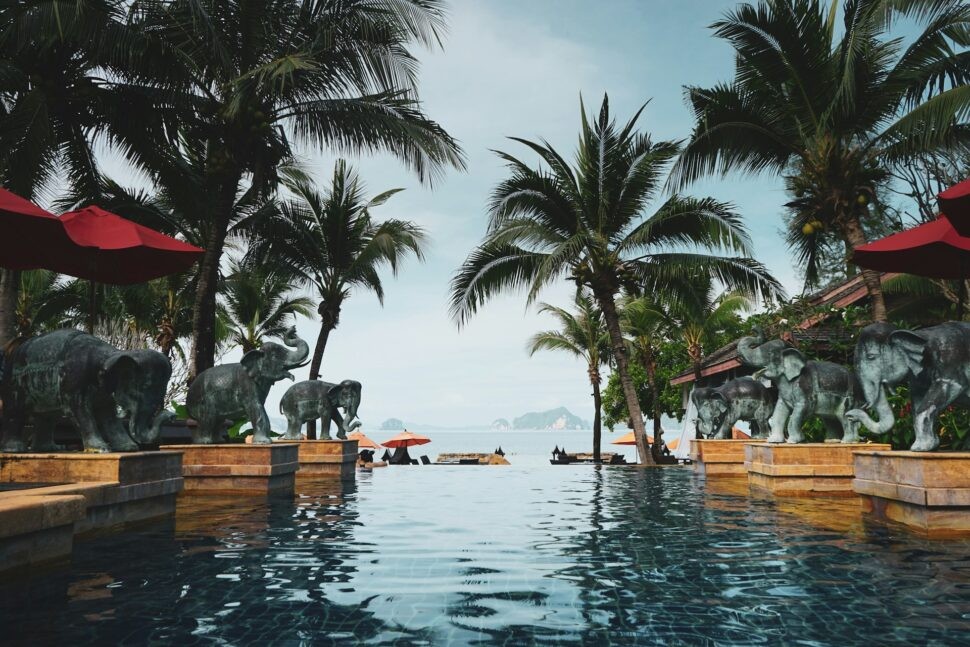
(406, 439)
(629, 439)
(363, 442)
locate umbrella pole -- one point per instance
(92, 305)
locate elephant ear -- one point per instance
(719, 402)
(252, 361)
(118, 369)
(911, 347)
(334, 392)
(792, 363)
(696, 396)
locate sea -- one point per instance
(527, 448)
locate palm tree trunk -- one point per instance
(597, 421)
(9, 289)
(322, 337)
(204, 314)
(856, 237)
(604, 297)
(658, 431)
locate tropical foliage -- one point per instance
(833, 109)
(330, 243)
(586, 222)
(581, 333)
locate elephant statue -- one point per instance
(806, 389)
(68, 374)
(934, 362)
(743, 398)
(312, 399)
(231, 391)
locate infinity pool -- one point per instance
(504, 556)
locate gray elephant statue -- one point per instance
(68, 374)
(744, 398)
(806, 389)
(233, 391)
(312, 399)
(934, 362)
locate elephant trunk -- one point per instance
(882, 409)
(750, 350)
(301, 350)
(155, 430)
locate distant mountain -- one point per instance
(501, 425)
(559, 418)
(392, 424)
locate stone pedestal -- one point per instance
(926, 491)
(807, 469)
(36, 529)
(719, 457)
(336, 458)
(239, 469)
(118, 488)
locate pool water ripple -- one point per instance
(502, 556)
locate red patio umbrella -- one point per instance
(934, 249)
(121, 252)
(30, 237)
(111, 249)
(955, 203)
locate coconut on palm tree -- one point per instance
(588, 222)
(581, 333)
(248, 78)
(833, 109)
(331, 242)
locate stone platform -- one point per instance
(337, 458)
(117, 488)
(928, 492)
(805, 469)
(239, 469)
(719, 457)
(36, 529)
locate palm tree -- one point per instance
(587, 221)
(331, 242)
(647, 324)
(702, 314)
(53, 102)
(832, 111)
(582, 334)
(249, 78)
(257, 303)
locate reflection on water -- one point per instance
(427, 555)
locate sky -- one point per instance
(514, 68)
(517, 68)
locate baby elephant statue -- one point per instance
(934, 362)
(305, 401)
(70, 374)
(741, 399)
(232, 391)
(805, 389)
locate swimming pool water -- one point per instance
(502, 556)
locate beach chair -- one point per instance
(425, 460)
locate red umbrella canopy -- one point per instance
(406, 439)
(955, 203)
(30, 237)
(934, 249)
(118, 251)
